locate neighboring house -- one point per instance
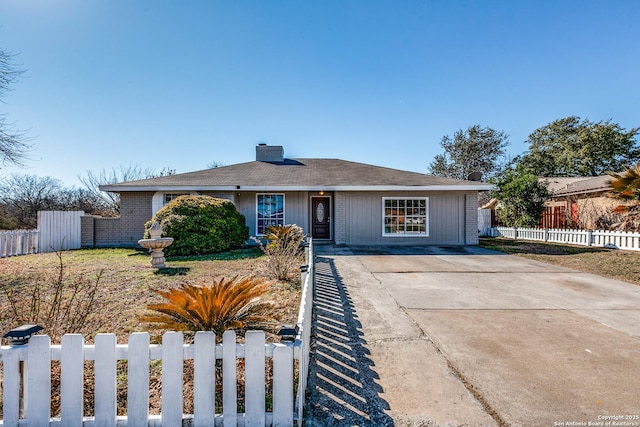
(333, 200)
(582, 202)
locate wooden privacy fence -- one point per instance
(18, 242)
(57, 230)
(600, 238)
(485, 219)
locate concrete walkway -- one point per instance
(468, 337)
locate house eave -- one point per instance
(272, 188)
(576, 193)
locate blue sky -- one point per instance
(184, 84)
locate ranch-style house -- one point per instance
(334, 200)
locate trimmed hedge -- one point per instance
(200, 225)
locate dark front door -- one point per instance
(321, 217)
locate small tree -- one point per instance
(284, 250)
(201, 225)
(522, 197)
(61, 303)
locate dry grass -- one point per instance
(127, 282)
(125, 289)
(613, 263)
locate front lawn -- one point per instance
(124, 289)
(613, 263)
(127, 282)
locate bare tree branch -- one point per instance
(14, 144)
(111, 201)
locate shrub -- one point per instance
(284, 250)
(200, 225)
(225, 304)
(61, 303)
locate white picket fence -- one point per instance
(18, 242)
(26, 369)
(139, 353)
(599, 238)
(303, 340)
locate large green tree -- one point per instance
(476, 149)
(575, 147)
(522, 197)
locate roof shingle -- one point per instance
(303, 173)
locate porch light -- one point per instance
(321, 193)
(288, 332)
(21, 334)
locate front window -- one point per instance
(170, 196)
(405, 216)
(270, 211)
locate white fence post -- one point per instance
(138, 380)
(204, 379)
(229, 387)
(11, 386)
(283, 407)
(72, 388)
(38, 373)
(254, 387)
(105, 380)
(172, 373)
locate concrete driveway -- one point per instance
(466, 336)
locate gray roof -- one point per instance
(298, 174)
(579, 185)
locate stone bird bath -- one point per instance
(156, 243)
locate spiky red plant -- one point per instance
(626, 187)
(224, 304)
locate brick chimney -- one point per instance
(269, 153)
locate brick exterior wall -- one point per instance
(471, 218)
(124, 231)
(107, 233)
(135, 211)
(87, 236)
(340, 218)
